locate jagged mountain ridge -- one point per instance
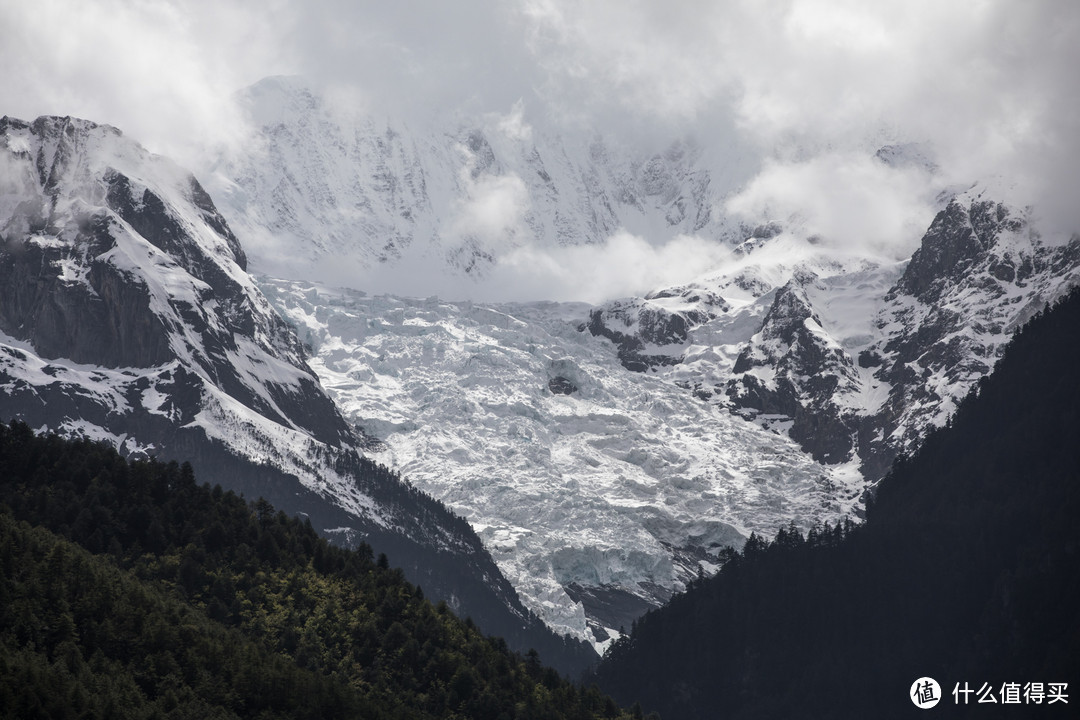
(126, 315)
(813, 365)
(844, 354)
(606, 454)
(861, 369)
(967, 566)
(320, 184)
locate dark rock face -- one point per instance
(609, 606)
(129, 317)
(959, 238)
(635, 325)
(632, 353)
(105, 318)
(72, 285)
(150, 218)
(559, 385)
(950, 311)
(980, 272)
(104, 321)
(868, 359)
(766, 231)
(807, 369)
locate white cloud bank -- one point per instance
(624, 265)
(815, 86)
(991, 85)
(847, 200)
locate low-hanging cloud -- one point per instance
(852, 201)
(162, 72)
(491, 210)
(990, 85)
(813, 86)
(623, 265)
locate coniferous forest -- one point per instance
(128, 590)
(967, 570)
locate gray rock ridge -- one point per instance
(71, 286)
(807, 368)
(367, 190)
(980, 272)
(127, 316)
(648, 334)
(957, 241)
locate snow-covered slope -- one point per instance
(596, 489)
(872, 388)
(605, 454)
(320, 187)
(127, 315)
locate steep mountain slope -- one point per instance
(605, 455)
(860, 359)
(126, 315)
(321, 187)
(129, 590)
(966, 571)
(598, 491)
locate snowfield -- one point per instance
(629, 481)
(605, 455)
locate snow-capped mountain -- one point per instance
(603, 455)
(319, 186)
(981, 271)
(127, 315)
(859, 358)
(606, 454)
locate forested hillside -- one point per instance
(967, 570)
(128, 590)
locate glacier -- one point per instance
(128, 316)
(606, 453)
(627, 482)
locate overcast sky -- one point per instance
(990, 85)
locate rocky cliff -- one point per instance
(126, 315)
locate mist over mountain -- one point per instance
(555, 304)
(606, 455)
(462, 206)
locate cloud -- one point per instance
(846, 200)
(513, 125)
(492, 212)
(813, 87)
(163, 72)
(624, 265)
(990, 85)
(994, 75)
